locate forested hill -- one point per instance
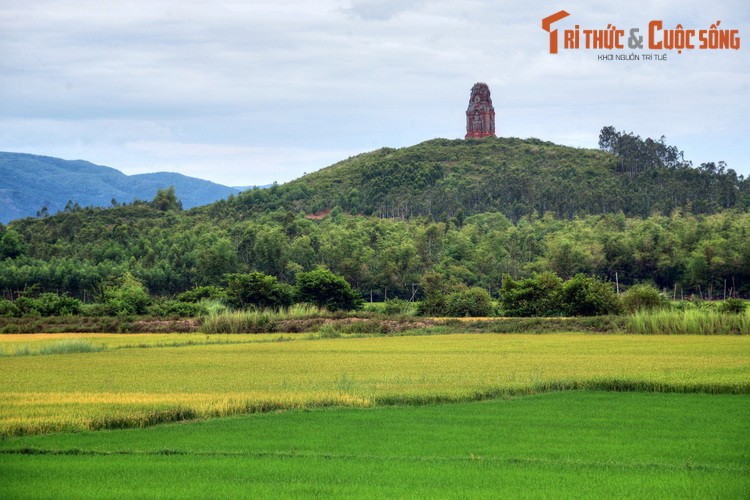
(28, 183)
(270, 230)
(445, 178)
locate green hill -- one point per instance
(446, 178)
(434, 209)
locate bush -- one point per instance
(27, 306)
(8, 309)
(535, 296)
(643, 297)
(174, 308)
(732, 306)
(51, 304)
(126, 296)
(583, 296)
(473, 301)
(325, 289)
(256, 290)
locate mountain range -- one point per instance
(30, 182)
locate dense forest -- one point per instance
(468, 212)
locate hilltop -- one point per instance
(30, 182)
(444, 178)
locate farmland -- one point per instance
(430, 415)
(132, 387)
(564, 444)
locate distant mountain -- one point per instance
(30, 182)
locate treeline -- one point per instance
(170, 251)
(444, 178)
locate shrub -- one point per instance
(8, 309)
(27, 306)
(733, 306)
(256, 290)
(51, 304)
(325, 289)
(583, 296)
(473, 301)
(126, 295)
(535, 296)
(172, 308)
(643, 297)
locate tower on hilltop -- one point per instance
(480, 115)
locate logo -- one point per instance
(654, 37)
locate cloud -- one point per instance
(380, 10)
(236, 86)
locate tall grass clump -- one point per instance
(66, 346)
(259, 320)
(690, 322)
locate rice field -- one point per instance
(141, 380)
(574, 444)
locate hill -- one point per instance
(636, 213)
(445, 178)
(29, 182)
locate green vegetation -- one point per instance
(256, 290)
(325, 289)
(644, 297)
(461, 214)
(133, 387)
(458, 178)
(691, 322)
(574, 444)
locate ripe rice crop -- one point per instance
(138, 387)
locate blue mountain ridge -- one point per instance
(29, 182)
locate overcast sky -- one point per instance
(251, 92)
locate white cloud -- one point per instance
(234, 89)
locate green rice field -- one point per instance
(561, 445)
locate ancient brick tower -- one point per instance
(480, 115)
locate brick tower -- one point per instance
(480, 115)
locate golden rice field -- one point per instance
(137, 386)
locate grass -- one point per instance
(556, 445)
(132, 387)
(263, 320)
(43, 343)
(64, 346)
(691, 322)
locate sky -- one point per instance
(251, 92)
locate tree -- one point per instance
(584, 296)
(214, 257)
(257, 290)
(126, 295)
(11, 245)
(166, 199)
(474, 301)
(535, 296)
(325, 289)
